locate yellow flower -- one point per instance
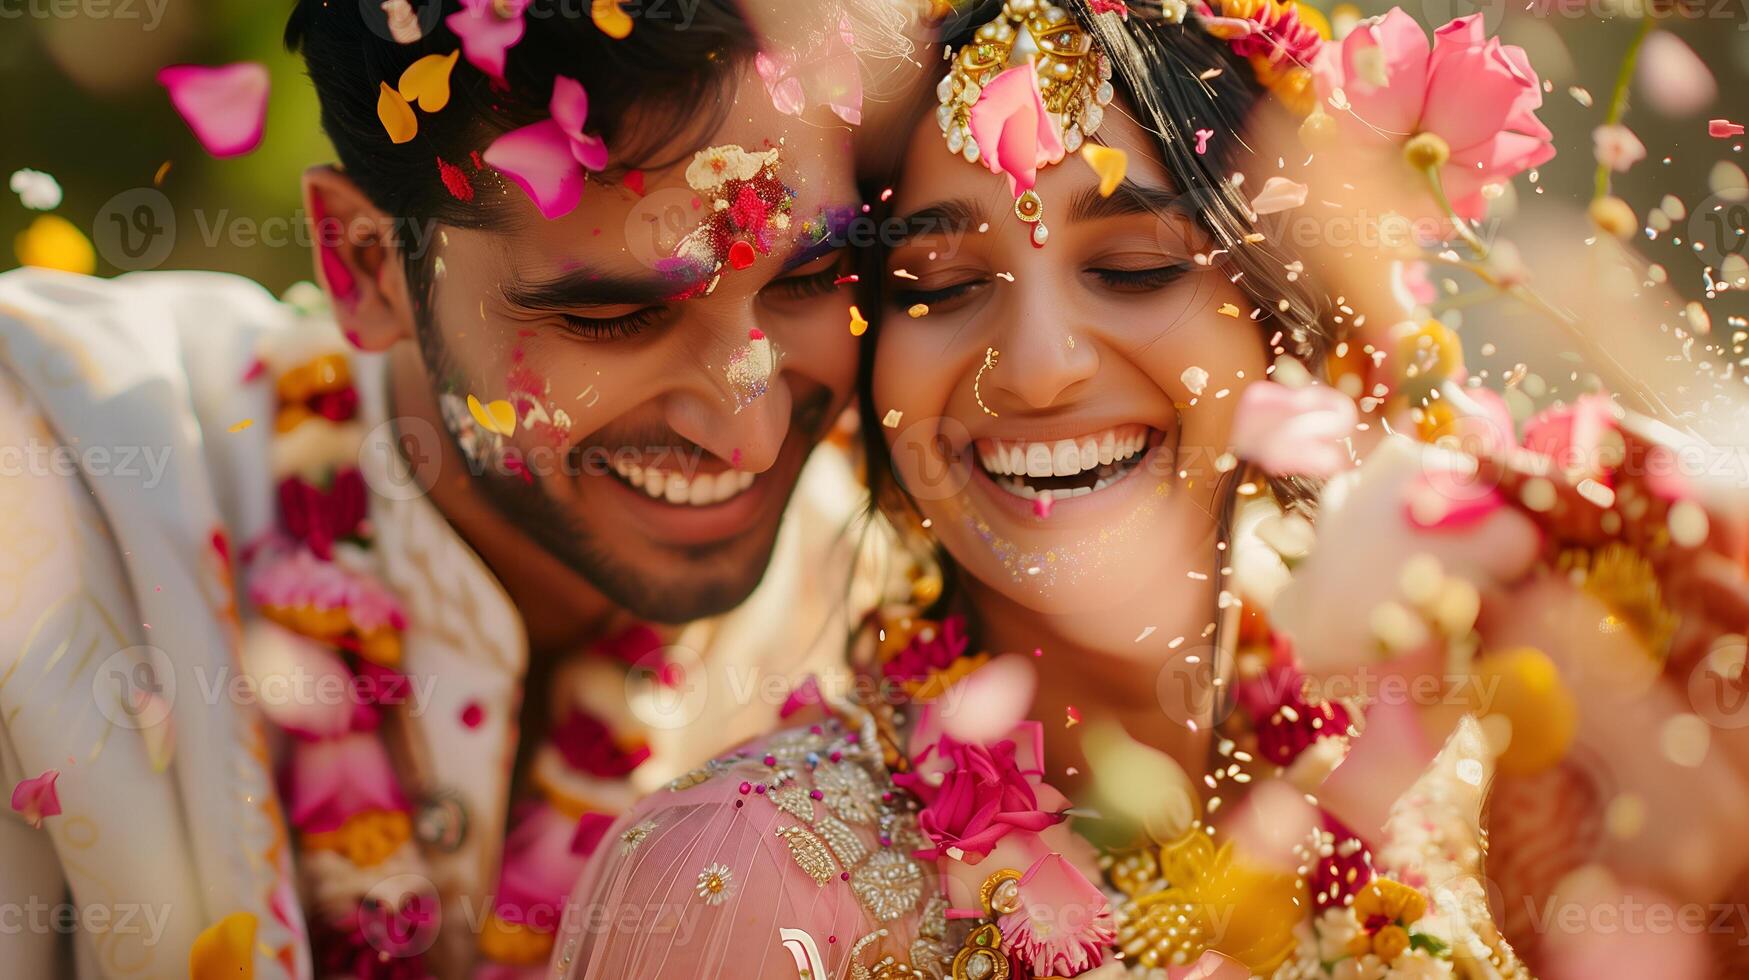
(53, 242)
(931, 687)
(513, 943)
(1392, 900)
(366, 839)
(1390, 942)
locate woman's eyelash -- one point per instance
(1140, 279)
(912, 297)
(611, 328)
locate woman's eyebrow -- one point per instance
(1129, 198)
(942, 217)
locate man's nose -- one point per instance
(739, 408)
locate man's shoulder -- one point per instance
(136, 311)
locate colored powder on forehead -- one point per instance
(745, 200)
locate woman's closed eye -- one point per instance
(1139, 280)
(936, 291)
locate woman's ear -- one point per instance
(357, 261)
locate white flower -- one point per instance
(714, 166)
(37, 190)
(1368, 967)
(1336, 928)
(1413, 964)
(715, 884)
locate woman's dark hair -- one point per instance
(666, 81)
(1164, 71)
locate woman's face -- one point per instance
(1101, 369)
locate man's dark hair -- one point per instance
(663, 83)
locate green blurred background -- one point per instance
(81, 103)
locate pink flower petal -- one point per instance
(330, 780)
(1210, 966)
(1279, 194)
(1013, 130)
(36, 798)
(1674, 79)
(1616, 147)
(1472, 91)
(1394, 107)
(1294, 430)
(486, 37)
(1723, 129)
(569, 105)
(226, 106)
(538, 158)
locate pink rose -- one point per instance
(1474, 98)
(1294, 430)
(973, 796)
(331, 780)
(1576, 437)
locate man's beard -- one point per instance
(551, 527)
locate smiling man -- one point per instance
(525, 510)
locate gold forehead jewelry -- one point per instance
(1074, 81)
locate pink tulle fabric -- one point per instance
(638, 910)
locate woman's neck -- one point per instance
(1137, 688)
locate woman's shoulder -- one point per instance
(791, 856)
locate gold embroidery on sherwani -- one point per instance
(848, 791)
(809, 853)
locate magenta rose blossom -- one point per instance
(983, 794)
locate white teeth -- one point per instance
(1038, 460)
(1067, 458)
(676, 488)
(1104, 457)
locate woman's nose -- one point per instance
(1034, 362)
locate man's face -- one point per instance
(670, 358)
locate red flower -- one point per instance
(982, 796)
(588, 747)
(1287, 722)
(928, 652)
(320, 517)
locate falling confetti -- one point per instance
(226, 106)
(918, 311)
(240, 426)
(53, 242)
(1723, 129)
(1202, 140)
(892, 418)
(498, 417)
(1109, 163)
(858, 326)
(1071, 716)
(36, 190)
(610, 17)
(36, 798)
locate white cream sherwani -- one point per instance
(121, 411)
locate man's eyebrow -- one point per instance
(1129, 198)
(582, 287)
(943, 217)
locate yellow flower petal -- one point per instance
(53, 242)
(858, 326)
(1110, 164)
(396, 115)
(498, 417)
(611, 19)
(427, 82)
(224, 950)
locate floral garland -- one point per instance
(327, 615)
(1159, 903)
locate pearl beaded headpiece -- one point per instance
(1074, 79)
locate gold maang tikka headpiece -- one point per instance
(1074, 78)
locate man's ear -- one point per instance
(357, 261)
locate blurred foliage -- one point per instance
(84, 106)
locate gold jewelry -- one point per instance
(1000, 893)
(1074, 78)
(990, 355)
